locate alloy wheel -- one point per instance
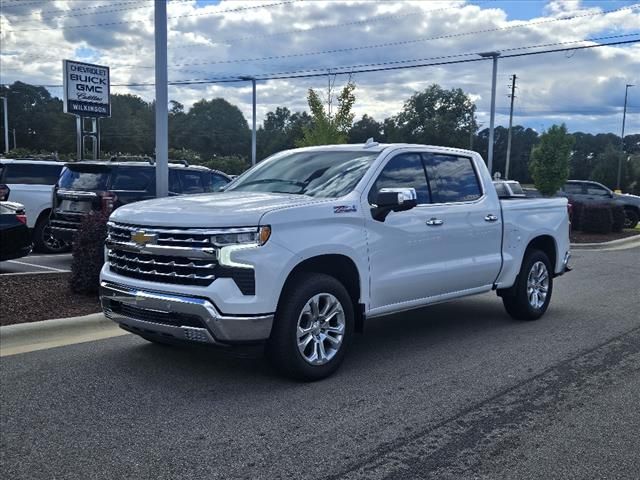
(320, 329)
(537, 285)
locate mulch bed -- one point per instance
(581, 237)
(29, 298)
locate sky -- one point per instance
(229, 39)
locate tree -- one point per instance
(435, 116)
(549, 165)
(216, 127)
(522, 142)
(606, 168)
(327, 128)
(130, 129)
(280, 131)
(366, 128)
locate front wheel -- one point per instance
(529, 297)
(313, 327)
(630, 218)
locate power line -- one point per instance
(394, 44)
(378, 18)
(381, 66)
(67, 14)
(124, 22)
(380, 45)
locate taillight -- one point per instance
(4, 192)
(570, 213)
(108, 202)
(22, 218)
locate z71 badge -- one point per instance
(345, 209)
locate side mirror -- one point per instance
(393, 200)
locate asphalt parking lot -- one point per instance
(37, 263)
(454, 391)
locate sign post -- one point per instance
(87, 96)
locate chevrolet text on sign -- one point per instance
(86, 89)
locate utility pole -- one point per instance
(253, 120)
(494, 56)
(6, 125)
(162, 99)
(624, 118)
(513, 95)
(14, 139)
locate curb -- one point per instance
(28, 337)
(602, 245)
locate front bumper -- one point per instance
(180, 318)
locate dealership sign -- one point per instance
(86, 89)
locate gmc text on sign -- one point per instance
(86, 89)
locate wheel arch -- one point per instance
(546, 244)
(340, 267)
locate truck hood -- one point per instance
(226, 209)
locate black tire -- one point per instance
(516, 299)
(42, 240)
(282, 347)
(630, 218)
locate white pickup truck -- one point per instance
(300, 250)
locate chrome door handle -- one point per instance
(491, 218)
(434, 222)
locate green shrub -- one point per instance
(597, 218)
(88, 254)
(617, 212)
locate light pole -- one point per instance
(162, 100)
(253, 120)
(494, 56)
(513, 96)
(624, 118)
(6, 125)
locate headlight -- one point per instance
(255, 237)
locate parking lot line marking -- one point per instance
(37, 266)
(32, 273)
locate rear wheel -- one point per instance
(43, 239)
(529, 298)
(312, 328)
(630, 218)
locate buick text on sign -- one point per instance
(86, 89)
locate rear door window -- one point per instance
(31, 173)
(191, 181)
(132, 179)
(452, 178)
(214, 181)
(573, 188)
(85, 177)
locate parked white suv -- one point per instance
(300, 250)
(30, 182)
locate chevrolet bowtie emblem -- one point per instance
(143, 238)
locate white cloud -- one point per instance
(583, 88)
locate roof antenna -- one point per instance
(370, 143)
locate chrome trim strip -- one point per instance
(186, 231)
(196, 253)
(223, 328)
(172, 263)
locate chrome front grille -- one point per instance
(168, 237)
(185, 257)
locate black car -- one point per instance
(586, 191)
(105, 185)
(15, 238)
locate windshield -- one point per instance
(325, 174)
(85, 177)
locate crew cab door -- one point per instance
(450, 243)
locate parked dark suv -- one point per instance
(106, 185)
(585, 191)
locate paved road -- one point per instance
(37, 263)
(455, 391)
